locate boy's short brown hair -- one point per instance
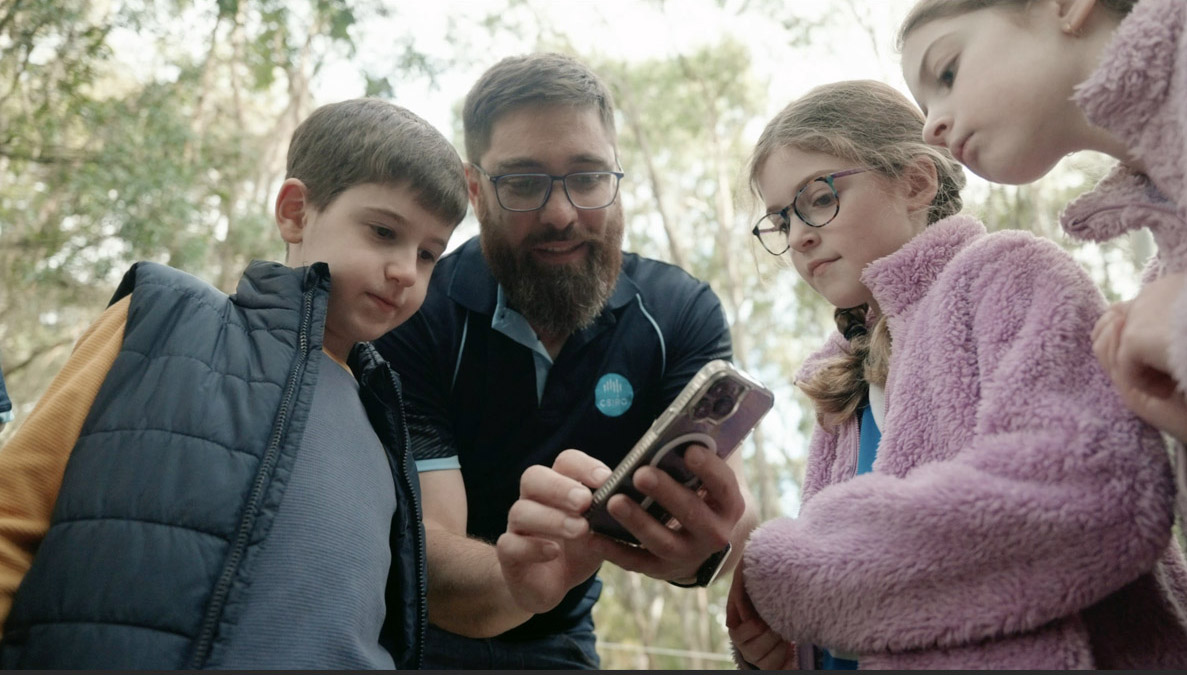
(368, 140)
(531, 79)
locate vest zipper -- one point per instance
(418, 539)
(247, 522)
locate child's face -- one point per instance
(875, 218)
(381, 247)
(996, 86)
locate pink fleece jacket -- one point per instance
(1017, 515)
(1139, 93)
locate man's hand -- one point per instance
(757, 644)
(705, 525)
(1132, 342)
(546, 549)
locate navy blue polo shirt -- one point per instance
(479, 396)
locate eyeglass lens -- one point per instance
(816, 204)
(530, 191)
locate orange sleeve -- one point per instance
(34, 459)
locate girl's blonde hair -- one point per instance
(874, 126)
(926, 11)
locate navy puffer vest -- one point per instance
(181, 464)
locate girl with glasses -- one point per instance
(976, 496)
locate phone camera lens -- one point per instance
(718, 389)
(702, 409)
(723, 406)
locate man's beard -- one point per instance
(557, 300)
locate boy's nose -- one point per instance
(401, 268)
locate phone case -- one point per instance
(718, 408)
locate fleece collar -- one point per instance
(900, 279)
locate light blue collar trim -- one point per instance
(512, 324)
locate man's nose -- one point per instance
(558, 211)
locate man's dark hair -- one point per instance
(532, 79)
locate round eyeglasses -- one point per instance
(586, 190)
(817, 203)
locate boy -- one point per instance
(227, 487)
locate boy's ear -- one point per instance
(1073, 14)
(291, 210)
(921, 182)
(473, 176)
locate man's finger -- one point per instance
(575, 464)
(720, 483)
(515, 551)
(709, 519)
(536, 519)
(551, 488)
(658, 539)
(629, 558)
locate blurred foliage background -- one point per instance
(156, 129)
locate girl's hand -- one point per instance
(758, 645)
(1132, 342)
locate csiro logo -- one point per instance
(613, 395)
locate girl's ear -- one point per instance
(1073, 15)
(291, 210)
(921, 183)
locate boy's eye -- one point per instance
(383, 232)
(428, 256)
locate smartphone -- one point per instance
(718, 408)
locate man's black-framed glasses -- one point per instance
(586, 190)
(816, 204)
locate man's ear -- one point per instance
(1073, 15)
(921, 182)
(473, 176)
(292, 208)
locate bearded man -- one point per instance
(540, 336)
